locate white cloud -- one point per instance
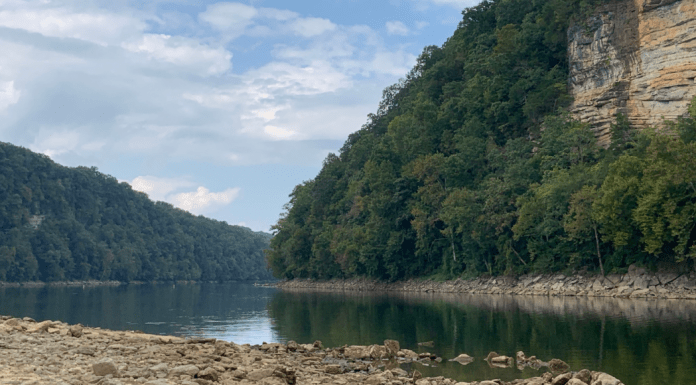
(158, 188)
(278, 133)
(53, 142)
(397, 28)
(458, 4)
(312, 26)
(202, 198)
(278, 14)
(101, 28)
(8, 95)
(288, 79)
(184, 52)
(231, 18)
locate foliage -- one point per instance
(93, 227)
(470, 166)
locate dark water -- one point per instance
(639, 341)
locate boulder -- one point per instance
(408, 354)
(12, 322)
(605, 379)
(356, 352)
(209, 374)
(584, 376)
(377, 352)
(333, 369)
(105, 367)
(41, 327)
(392, 347)
(189, 370)
(558, 366)
(260, 374)
(575, 381)
(159, 381)
(463, 359)
(86, 350)
(160, 368)
(292, 346)
(76, 331)
(562, 379)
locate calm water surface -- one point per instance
(639, 341)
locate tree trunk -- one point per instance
(599, 255)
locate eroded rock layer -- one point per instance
(636, 57)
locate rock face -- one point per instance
(636, 57)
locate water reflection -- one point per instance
(639, 341)
(235, 312)
(642, 342)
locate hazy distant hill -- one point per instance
(61, 223)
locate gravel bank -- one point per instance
(52, 352)
(637, 283)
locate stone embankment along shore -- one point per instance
(52, 352)
(637, 283)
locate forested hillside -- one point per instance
(59, 223)
(471, 166)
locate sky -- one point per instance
(219, 108)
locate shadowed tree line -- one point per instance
(470, 166)
(59, 223)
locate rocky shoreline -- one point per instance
(52, 352)
(636, 283)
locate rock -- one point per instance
(584, 376)
(501, 359)
(558, 366)
(605, 379)
(105, 367)
(416, 375)
(422, 381)
(258, 375)
(562, 379)
(463, 359)
(292, 346)
(392, 347)
(575, 381)
(377, 352)
(398, 372)
(609, 72)
(86, 350)
(40, 327)
(492, 355)
(356, 352)
(12, 322)
(76, 331)
(209, 374)
(333, 369)
(160, 368)
(159, 381)
(640, 283)
(189, 370)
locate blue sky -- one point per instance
(219, 108)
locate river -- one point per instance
(641, 342)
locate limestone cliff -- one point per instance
(637, 57)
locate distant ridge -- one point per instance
(60, 224)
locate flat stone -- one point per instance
(258, 375)
(104, 368)
(190, 370)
